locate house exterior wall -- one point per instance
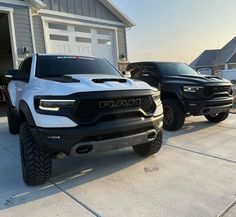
(89, 8)
(40, 41)
(86, 8)
(22, 28)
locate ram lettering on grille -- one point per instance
(119, 103)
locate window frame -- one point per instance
(26, 75)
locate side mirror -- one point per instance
(127, 74)
(14, 75)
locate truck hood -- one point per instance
(198, 79)
(88, 83)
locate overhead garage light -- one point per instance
(37, 4)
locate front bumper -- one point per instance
(101, 137)
(205, 107)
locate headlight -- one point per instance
(54, 105)
(157, 99)
(191, 89)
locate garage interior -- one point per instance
(6, 61)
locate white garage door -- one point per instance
(81, 40)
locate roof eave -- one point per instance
(122, 16)
(38, 4)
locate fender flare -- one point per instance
(177, 97)
(23, 107)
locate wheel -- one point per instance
(174, 115)
(149, 148)
(216, 118)
(36, 163)
(13, 120)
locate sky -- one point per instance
(177, 30)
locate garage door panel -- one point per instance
(84, 50)
(61, 48)
(81, 40)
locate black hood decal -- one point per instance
(63, 79)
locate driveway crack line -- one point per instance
(76, 200)
(10, 152)
(227, 209)
(59, 188)
(200, 153)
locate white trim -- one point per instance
(57, 20)
(46, 39)
(9, 12)
(115, 10)
(74, 16)
(32, 30)
(234, 52)
(16, 2)
(6, 9)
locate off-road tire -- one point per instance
(13, 120)
(150, 148)
(36, 163)
(176, 119)
(217, 118)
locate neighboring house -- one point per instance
(213, 61)
(77, 27)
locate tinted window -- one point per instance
(54, 66)
(141, 70)
(176, 69)
(25, 68)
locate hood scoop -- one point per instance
(63, 79)
(103, 80)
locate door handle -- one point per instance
(19, 89)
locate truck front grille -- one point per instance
(94, 110)
(218, 91)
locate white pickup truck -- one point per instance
(72, 105)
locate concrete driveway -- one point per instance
(193, 175)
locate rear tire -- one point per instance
(151, 148)
(218, 117)
(36, 163)
(13, 120)
(174, 115)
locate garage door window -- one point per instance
(83, 40)
(59, 37)
(104, 41)
(84, 29)
(103, 32)
(57, 26)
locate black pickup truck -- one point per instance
(185, 92)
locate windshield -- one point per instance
(176, 69)
(56, 66)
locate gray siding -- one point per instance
(40, 42)
(22, 28)
(39, 34)
(89, 8)
(121, 34)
